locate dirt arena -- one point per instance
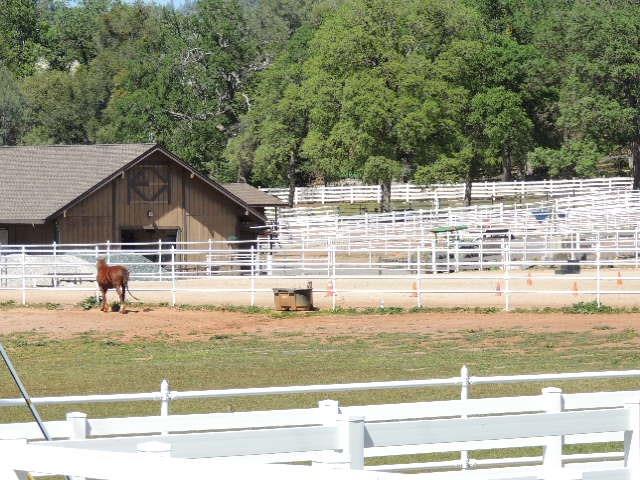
(170, 324)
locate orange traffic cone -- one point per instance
(575, 288)
(414, 287)
(329, 289)
(498, 289)
(529, 280)
(619, 279)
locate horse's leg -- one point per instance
(121, 294)
(104, 299)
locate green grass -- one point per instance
(91, 363)
(577, 308)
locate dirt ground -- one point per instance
(166, 323)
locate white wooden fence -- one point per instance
(336, 436)
(586, 214)
(438, 193)
(486, 266)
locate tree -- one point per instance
(382, 171)
(575, 158)
(183, 86)
(505, 126)
(12, 108)
(371, 88)
(268, 148)
(65, 106)
(603, 61)
(19, 36)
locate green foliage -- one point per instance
(589, 308)
(12, 108)
(19, 36)
(286, 92)
(573, 159)
(379, 169)
(89, 302)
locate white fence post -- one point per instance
(333, 277)
(253, 276)
(55, 264)
(23, 261)
(78, 429)
(108, 251)
(329, 411)
(418, 277)
(507, 276)
(173, 275)
(165, 401)
(632, 439)
(464, 395)
(351, 439)
(635, 246)
(598, 254)
(160, 258)
(552, 456)
(210, 257)
(96, 254)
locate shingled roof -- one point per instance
(252, 196)
(37, 182)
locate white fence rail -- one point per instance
(437, 193)
(339, 436)
(504, 267)
(586, 214)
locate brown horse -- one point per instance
(116, 277)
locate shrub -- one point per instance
(89, 302)
(589, 308)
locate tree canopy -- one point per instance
(291, 92)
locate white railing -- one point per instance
(151, 461)
(319, 434)
(509, 268)
(584, 214)
(437, 193)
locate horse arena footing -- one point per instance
(537, 289)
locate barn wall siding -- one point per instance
(188, 204)
(29, 234)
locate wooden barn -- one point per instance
(78, 194)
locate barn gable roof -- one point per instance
(39, 182)
(252, 196)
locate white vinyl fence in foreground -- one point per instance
(337, 436)
(407, 192)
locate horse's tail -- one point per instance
(131, 294)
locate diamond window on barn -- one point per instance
(149, 184)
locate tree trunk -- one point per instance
(467, 189)
(507, 167)
(385, 204)
(291, 176)
(472, 172)
(635, 155)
